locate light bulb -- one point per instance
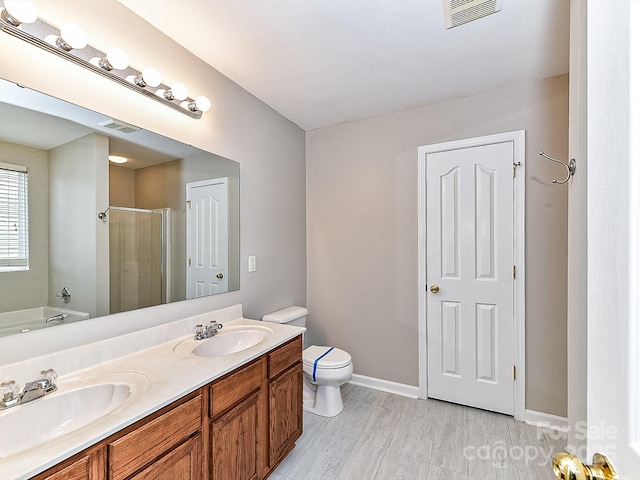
(71, 37)
(19, 11)
(200, 104)
(203, 104)
(118, 159)
(151, 77)
(51, 39)
(115, 59)
(179, 91)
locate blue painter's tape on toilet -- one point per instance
(315, 363)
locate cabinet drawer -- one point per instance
(285, 356)
(229, 390)
(136, 449)
(182, 463)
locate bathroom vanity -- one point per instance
(234, 415)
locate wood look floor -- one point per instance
(381, 436)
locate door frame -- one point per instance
(517, 138)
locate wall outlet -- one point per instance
(252, 263)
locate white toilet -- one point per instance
(325, 368)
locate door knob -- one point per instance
(434, 288)
(567, 467)
(220, 276)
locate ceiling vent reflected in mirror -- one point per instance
(119, 126)
(459, 12)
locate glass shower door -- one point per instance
(136, 259)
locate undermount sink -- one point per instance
(78, 402)
(229, 340)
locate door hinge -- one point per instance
(189, 204)
(515, 165)
(189, 262)
(514, 372)
(514, 271)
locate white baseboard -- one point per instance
(385, 385)
(546, 420)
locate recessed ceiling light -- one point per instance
(118, 159)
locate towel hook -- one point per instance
(571, 167)
(103, 215)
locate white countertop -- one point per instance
(148, 352)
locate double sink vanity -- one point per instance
(159, 403)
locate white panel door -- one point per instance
(470, 314)
(207, 237)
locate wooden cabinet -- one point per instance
(263, 419)
(285, 413)
(285, 399)
(239, 427)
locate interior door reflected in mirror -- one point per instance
(154, 243)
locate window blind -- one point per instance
(14, 218)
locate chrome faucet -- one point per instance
(10, 395)
(208, 331)
(55, 318)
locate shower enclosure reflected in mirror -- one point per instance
(139, 248)
(169, 226)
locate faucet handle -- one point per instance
(49, 374)
(198, 330)
(9, 390)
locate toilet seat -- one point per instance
(325, 358)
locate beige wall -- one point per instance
(269, 148)
(28, 289)
(362, 231)
(122, 190)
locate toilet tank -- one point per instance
(291, 316)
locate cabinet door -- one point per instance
(234, 442)
(285, 412)
(87, 467)
(184, 463)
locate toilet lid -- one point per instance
(335, 358)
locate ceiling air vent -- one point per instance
(458, 12)
(119, 125)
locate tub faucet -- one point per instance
(208, 331)
(55, 318)
(10, 395)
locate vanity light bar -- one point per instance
(163, 94)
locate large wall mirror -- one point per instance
(104, 237)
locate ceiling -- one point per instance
(324, 62)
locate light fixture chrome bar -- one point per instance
(33, 40)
